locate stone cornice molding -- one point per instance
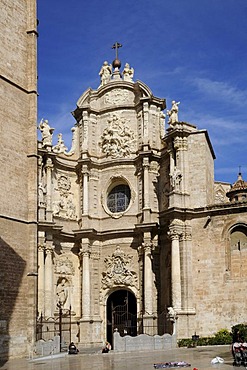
(18, 86)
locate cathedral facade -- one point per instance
(125, 230)
(132, 225)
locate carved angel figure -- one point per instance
(128, 73)
(171, 314)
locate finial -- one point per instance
(116, 63)
(239, 173)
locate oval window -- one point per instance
(118, 198)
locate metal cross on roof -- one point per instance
(116, 46)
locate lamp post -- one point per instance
(59, 305)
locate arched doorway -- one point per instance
(121, 314)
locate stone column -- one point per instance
(175, 269)
(85, 120)
(146, 200)
(148, 278)
(145, 123)
(85, 190)
(146, 182)
(41, 278)
(41, 191)
(171, 155)
(86, 302)
(181, 148)
(48, 167)
(148, 322)
(49, 299)
(187, 274)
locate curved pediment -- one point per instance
(117, 94)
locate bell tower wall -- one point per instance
(18, 185)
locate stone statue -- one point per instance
(128, 73)
(162, 118)
(173, 113)
(41, 192)
(105, 73)
(70, 212)
(171, 314)
(62, 292)
(176, 178)
(46, 132)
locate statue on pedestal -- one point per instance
(105, 73)
(46, 132)
(173, 113)
(128, 73)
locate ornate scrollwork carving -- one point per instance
(63, 184)
(117, 270)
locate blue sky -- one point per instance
(192, 51)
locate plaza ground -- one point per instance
(199, 358)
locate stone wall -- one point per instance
(18, 185)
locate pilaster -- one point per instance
(85, 176)
(41, 275)
(49, 298)
(49, 168)
(86, 283)
(175, 232)
(146, 201)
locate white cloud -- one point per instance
(220, 90)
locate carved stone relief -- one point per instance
(154, 167)
(64, 206)
(117, 140)
(63, 184)
(118, 96)
(117, 270)
(220, 195)
(63, 265)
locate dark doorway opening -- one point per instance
(121, 314)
